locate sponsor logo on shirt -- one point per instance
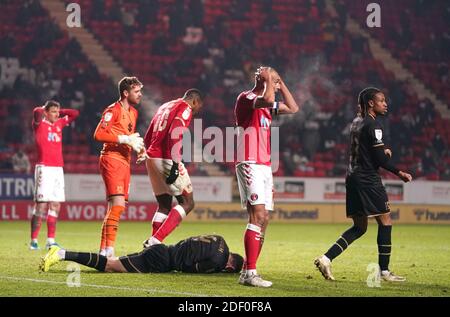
(53, 137)
(264, 123)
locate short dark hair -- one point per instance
(365, 96)
(127, 83)
(192, 94)
(238, 262)
(51, 103)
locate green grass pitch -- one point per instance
(421, 253)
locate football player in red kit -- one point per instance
(253, 113)
(48, 172)
(167, 173)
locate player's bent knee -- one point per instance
(359, 231)
(189, 206)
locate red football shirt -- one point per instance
(254, 137)
(48, 136)
(159, 139)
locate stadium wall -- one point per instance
(284, 212)
(304, 200)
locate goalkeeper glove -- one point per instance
(133, 140)
(173, 175)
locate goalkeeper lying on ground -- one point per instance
(201, 254)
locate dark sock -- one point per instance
(93, 260)
(344, 241)
(384, 246)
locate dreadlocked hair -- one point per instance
(364, 97)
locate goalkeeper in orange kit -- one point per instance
(117, 130)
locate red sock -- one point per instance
(51, 224)
(252, 245)
(157, 221)
(36, 222)
(174, 218)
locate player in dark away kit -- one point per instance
(366, 195)
(201, 254)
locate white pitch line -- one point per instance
(152, 290)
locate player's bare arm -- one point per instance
(288, 106)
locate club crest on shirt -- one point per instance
(378, 135)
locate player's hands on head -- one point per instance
(405, 176)
(174, 172)
(263, 73)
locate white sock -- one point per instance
(154, 241)
(180, 210)
(251, 272)
(50, 240)
(109, 252)
(61, 254)
(326, 258)
(159, 217)
(34, 240)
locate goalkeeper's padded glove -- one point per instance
(133, 140)
(174, 172)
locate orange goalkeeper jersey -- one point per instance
(116, 121)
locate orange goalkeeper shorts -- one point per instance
(116, 175)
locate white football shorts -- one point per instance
(158, 169)
(255, 182)
(49, 184)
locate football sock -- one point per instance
(111, 224)
(384, 246)
(36, 222)
(103, 238)
(174, 218)
(93, 260)
(344, 241)
(51, 224)
(157, 221)
(252, 244)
